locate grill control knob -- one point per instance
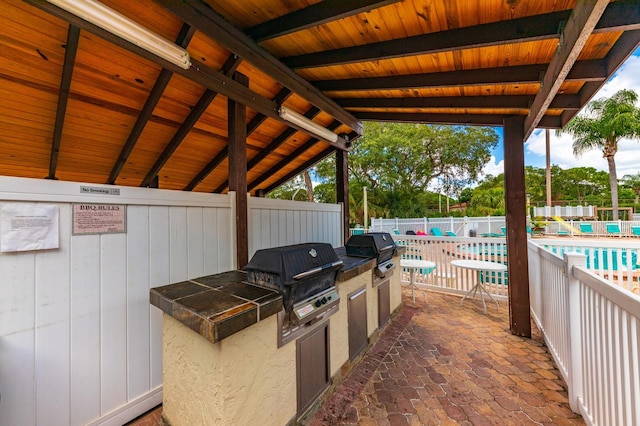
(318, 303)
(324, 300)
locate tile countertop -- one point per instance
(217, 306)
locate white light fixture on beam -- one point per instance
(308, 125)
(123, 27)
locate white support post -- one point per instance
(425, 220)
(465, 227)
(574, 323)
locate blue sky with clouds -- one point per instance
(628, 156)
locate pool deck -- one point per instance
(440, 362)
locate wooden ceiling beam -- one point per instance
(280, 97)
(211, 24)
(617, 17)
(183, 39)
(484, 102)
(295, 154)
(198, 72)
(551, 122)
(592, 70)
(582, 21)
(266, 151)
(73, 37)
(312, 16)
(307, 164)
(624, 47)
(229, 67)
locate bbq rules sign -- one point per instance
(99, 219)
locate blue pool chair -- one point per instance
(635, 231)
(586, 228)
(613, 229)
(450, 234)
(436, 232)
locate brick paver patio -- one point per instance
(441, 362)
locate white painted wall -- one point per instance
(79, 341)
(274, 223)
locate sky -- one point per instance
(627, 159)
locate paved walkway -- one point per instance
(441, 363)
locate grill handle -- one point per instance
(313, 271)
(389, 247)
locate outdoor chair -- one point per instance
(635, 231)
(410, 232)
(436, 232)
(504, 230)
(450, 234)
(613, 229)
(586, 228)
(395, 231)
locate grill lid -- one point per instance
(379, 245)
(298, 271)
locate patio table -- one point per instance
(479, 266)
(413, 265)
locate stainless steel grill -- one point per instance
(378, 245)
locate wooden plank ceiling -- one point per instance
(81, 104)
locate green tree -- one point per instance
(606, 121)
(633, 183)
(399, 162)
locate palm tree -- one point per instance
(633, 183)
(606, 121)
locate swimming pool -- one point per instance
(595, 255)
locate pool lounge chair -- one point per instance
(450, 234)
(635, 231)
(436, 232)
(613, 229)
(586, 228)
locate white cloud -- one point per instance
(628, 156)
(493, 168)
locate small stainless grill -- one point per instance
(378, 245)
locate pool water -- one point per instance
(594, 255)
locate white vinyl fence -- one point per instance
(79, 342)
(592, 329)
(447, 278)
(461, 226)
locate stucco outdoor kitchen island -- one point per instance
(225, 362)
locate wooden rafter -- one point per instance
(317, 14)
(183, 39)
(280, 97)
(626, 44)
(583, 20)
(206, 20)
(73, 36)
(266, 151)
(296, 153)
(484, 102)
(198, 72)
(592, 70)
(201, 106)
(307, 164)
(549, 122)
(532, 28)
